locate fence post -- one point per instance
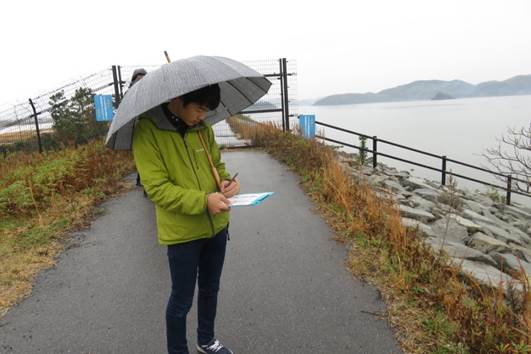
(443, 181)
(281, 78)
(36, 125)
(286, 100)
(121, 82)
(116, 86)
(509, 186)
(374, 151)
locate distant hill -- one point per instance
(429, 89)
(442, 96)
(262, 105)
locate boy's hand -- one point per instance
(229, 188)
(216, 203)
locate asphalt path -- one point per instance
(285, 288)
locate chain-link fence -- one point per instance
(21, 125)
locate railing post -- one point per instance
(121, 82)
(282, 95)
(443, 181)
(509, 186)
(36, 125)
(286, 99)
(116, 86)
(374, 151)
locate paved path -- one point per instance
(285, 288)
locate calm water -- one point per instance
(461, 129)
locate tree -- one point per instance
(73, 119)
(512, 156)
(65, 126)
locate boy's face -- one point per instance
(191, 114)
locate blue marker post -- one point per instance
(307, 125)
(104, 108)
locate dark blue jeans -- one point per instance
(202, 259)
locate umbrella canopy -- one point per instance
(240, 87)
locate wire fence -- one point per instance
(19, 122)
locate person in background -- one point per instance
(138, 74)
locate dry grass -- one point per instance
(43, 197)
(24, 135)
(434, 307)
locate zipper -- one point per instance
(198, 183)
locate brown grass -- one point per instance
(434, 307)
(24, 135)
(56, 194)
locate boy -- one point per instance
(192, 215)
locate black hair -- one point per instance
(207, 96)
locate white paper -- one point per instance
(248, 199)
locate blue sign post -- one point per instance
(307, 125)
(104, 108)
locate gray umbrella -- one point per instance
(240, 86)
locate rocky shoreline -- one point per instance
(488, 239)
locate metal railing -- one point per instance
(444, 172)
(26, 122)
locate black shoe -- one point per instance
(213, 347)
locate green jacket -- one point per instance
(177, 177)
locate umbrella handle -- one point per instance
(213, 168)
(167, 56)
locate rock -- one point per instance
(423, 228)
(428, 194)
(517, 232)
(375, 180)
(476, 207)
(521, 252)
(402, 200)
(484, 200)
(442, 211)
(494, 220)
(517, 213)
(457, 250)
(522, 226)
(501, 234)
(413, 183)
(448, 229)
(497, 229)
(395, 173)
(505, 218)
(403, 175)
(417, 202)
(470, 226)
(432, 184)
(484, 273)
(510, 261)
(475, 216)
(416, 214)
(393, 185)
(487, 244)
(391, 172)
(406, 194)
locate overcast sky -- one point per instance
(338, 46)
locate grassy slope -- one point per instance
(42, 198)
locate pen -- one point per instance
(233, 179)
